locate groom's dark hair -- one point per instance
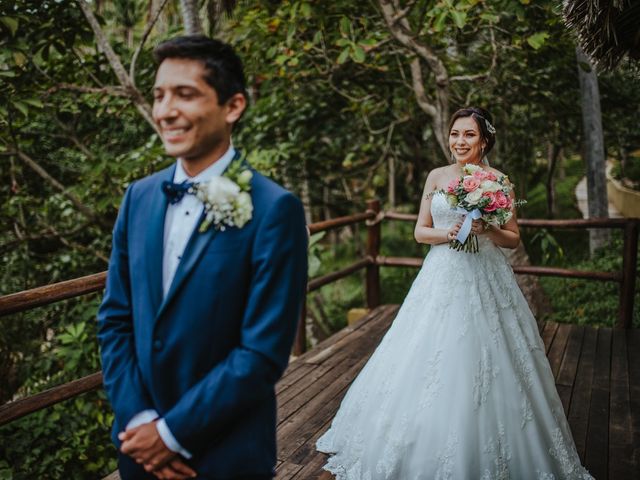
(223, 67)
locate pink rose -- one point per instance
(491, 206)
(453, 184)
(470, 183)
(480, 175)
(491, 176)
(502, 201)
(509, 203)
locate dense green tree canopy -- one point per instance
(350, 100)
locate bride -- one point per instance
(460, 387)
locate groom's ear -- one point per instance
(235, 106)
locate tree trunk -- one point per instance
(190, 17)
(436, 107)
(593, 148)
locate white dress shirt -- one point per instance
(180, 221)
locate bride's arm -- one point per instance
(424, 231)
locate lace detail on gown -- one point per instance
(459, 386)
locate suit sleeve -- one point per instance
(121, 375)
(248, 374)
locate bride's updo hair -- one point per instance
(483, 120)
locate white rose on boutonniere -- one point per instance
(244, 179)
(226, 199)
(245, 209)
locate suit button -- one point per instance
(157, 344)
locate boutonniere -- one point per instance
(226, 199)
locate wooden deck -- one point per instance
(597, 372)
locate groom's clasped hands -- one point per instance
(145, 446)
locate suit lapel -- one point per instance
(193, 251)
(155, 239)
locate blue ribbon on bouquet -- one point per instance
(465, 229)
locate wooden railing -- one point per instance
(372, 262)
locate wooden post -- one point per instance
(300, 344)
(629, 267)
(373, 250)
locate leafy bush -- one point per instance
(590, 302)
(347, 293)
(69, 440)
(630, 174)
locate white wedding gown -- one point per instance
(460, 387)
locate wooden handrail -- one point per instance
(47, 294)
(24, 406)
(40, 296)
(300, 342)
(319, 282)
(523, 270)
(37, 297)
(539, 223)
(340, 222)
(403, 217)
(575, 223)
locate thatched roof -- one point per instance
(608, 30)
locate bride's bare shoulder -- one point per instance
(439, 172)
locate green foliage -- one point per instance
(55, 111)
(556, 247)
(590, 302)
(339, 297)
(332, 104)
(550, 249)
(315, 250)
(69, 440)
(629, 172)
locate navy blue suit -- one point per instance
(207, 356)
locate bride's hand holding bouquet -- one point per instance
(485, 199)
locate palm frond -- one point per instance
(607, 30)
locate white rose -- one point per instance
(474, 197)
(469, 169)
(221, 190)
(490, 186)
(243, 209)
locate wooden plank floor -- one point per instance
(597, 372)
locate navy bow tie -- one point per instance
(175, 191)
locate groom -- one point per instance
(198, 317)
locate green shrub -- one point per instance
(590, 302)
(69, 440)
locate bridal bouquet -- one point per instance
(479, 194)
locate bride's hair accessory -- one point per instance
(490, 128)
